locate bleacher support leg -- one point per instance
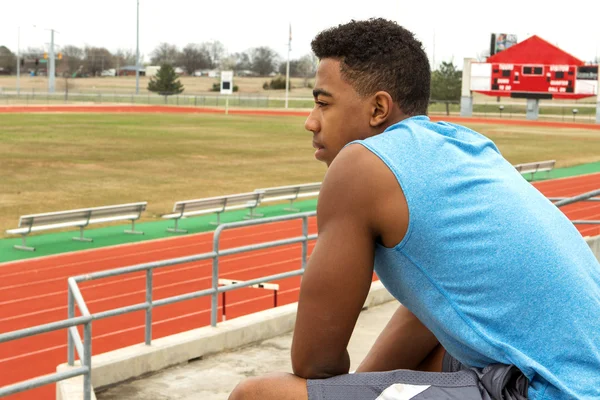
(24, 245)
(218, 220)
(291, 207)
(176, 229)
(81, 238)
(132, 231)
(251, 214)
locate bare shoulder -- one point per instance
(359, 185)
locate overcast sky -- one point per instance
(454, 28)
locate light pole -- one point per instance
(287, 69)
(51, 65)
(137, 52)
(18, 60)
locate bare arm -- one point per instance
(403, 344)
(340, 269)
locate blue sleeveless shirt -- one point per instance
(488, 264)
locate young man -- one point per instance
(498, 289)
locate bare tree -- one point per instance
(264, 60)
(73, 58)
(216, 50)
(125, 57)
(194, 57)
(228, 63)
(243, 61)
(303, 67)
(97, 59)
(164, 53)
(8, 61)
(31, 55)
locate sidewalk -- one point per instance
(214, 377)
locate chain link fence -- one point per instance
(549, 110)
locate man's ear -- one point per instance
(382, 107)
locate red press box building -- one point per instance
(533, 69)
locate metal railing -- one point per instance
(84, 348)
(565, 201)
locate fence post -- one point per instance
(87, 361)
(71, 314)
(305, 242)
(214, 301)
(149, 309)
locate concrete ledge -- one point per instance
(134, 361)
(70, 389)
(594, 243)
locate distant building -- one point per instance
(151, 70)
(130, 71)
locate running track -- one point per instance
(33, 292)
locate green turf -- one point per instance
(566, 172)
(49, 243)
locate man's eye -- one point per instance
(320, 103)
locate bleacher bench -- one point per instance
(189, 208)
(77, 218)
(533, 167)
(291, 193)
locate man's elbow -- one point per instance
(314, 370)
(309, 372)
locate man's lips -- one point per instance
(317, 146)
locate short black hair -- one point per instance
(378, 54)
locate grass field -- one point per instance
(53, 162)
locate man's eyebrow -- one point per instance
(321, 92)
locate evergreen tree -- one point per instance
(165, 82)
(446, 84)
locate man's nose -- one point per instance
(312, 124)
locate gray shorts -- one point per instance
(456, 382)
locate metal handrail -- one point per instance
(581, 197)
(563, 198)
(75, 297)
(84, 347)
(83, 350)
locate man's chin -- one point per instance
(321, 155)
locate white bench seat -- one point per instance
(533, 167)
(77, 218)
(290, 192)
(213, 205)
